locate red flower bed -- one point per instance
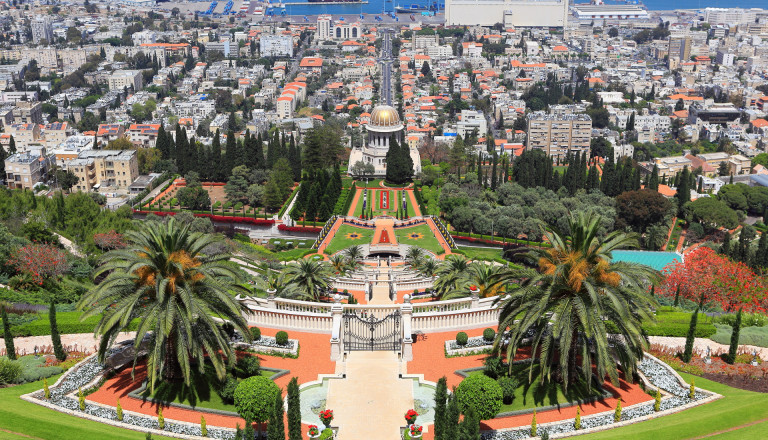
(384, 237)
(42, 261)
(383, 199)
(313, 229)
(718, 279)
(218, 218)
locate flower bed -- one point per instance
(657, 373)
(269, 345)
(474, 345)
(312, 229)
(89, 373)
(217, 218)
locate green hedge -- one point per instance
(675, 322)
(288, 202)
(752, 335)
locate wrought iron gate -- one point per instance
(371, 333)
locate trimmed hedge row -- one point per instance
(676, 330)
(312, 229)
(216, 218)
(68, 322)
(288, 202)
(420, 201)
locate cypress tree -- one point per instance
(470, 426)
(505, 164)
(294, 410)
(12, 146)
(451, 423)
(230, 154)
(683, 190)
(593, 178)
(10, 348)
(258, 153)
(761, 255)
(480, 168)
(734, 338)
(276, 427)
(493, 173)
(58, 349)
(216, 158)
(294, 156)
(441, 396)
(677, 296)
(690, 338)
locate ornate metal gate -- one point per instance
(372, 334)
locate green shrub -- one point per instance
(461, 338)
(227, 390)
(617, 412)
(119, 410)
(494, 367)
(657, 401)
(489, 334)
(326, 434)
(255, 333)
(160, 418)
(10, 371)
(248, 366)
(255, 398)
(35, 374)
(482, 394)
(203, 427)
(577, 420)
(281, 338)
(81, 399)
(508, 386)
(747, 320)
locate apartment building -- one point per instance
(28, 112)
(42, 29)
(559, 135)
(25, 135)
(143, 135)
(56, 133)
(276, 46)
(472, 121)
(121, 79)
(110, 132)
(104, 168)
(25, 170)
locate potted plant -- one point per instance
(313, 431)
(410, 416)
(326, 417)
(415, 431)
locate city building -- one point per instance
(276, 46)
(600, 11)
(25, 135)
(512, 13)
(472, 122)
(143, 135)
(730, 16)
(42, 29)
(383, 125)
(104, 168)
(26, 112)
(559, 135)
(25, 170)
(122, 79)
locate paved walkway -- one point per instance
(380, 290)
(701, 345)
(72, 342)
(384, 224)
(414, 203)
(332, 233)
(440, 239)
(371, 401)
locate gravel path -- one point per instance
(74, 341)
(701, 344)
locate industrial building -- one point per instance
(513, 13)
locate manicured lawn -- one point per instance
(737, 408)
(396, 200)
(673, 322)
(68, 322)
(486, 254)
(536, 395)
(23, 420)
(427, 240)
(340, 240)
(203, 392)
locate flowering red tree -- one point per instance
(42, 261)
(109, 240)
(717, 279)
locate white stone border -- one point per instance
(465, 351)
(29, 397)
(270, 349)
(711, 398)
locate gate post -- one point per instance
(337, 310)
(406, 310)
(271, 298)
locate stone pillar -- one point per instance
(337, 344)
(271, 299)
(406, 310)
(474, 291)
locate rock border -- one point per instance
(270, 349)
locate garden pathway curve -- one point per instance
(370, 402)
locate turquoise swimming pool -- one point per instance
(657, 260)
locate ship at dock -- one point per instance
(334, 1)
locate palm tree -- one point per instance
(310, 277)
(354, 252)
(428, 267)
(485, 277)
(579, 286)
(277, 281)
(450, 276)
(166, 281)
(339, 263)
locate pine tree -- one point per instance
(734, 338)
(58, 349)
(441, 397)
(276, 427)
(294, 410)
(10, 348)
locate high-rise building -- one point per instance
(324, 27)
(42, 29)
(731, 16)
(559, 135)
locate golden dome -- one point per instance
(384, 116)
